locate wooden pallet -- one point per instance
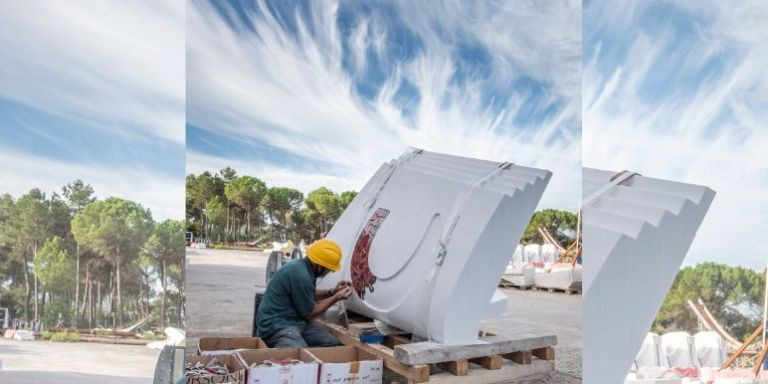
(567, 291)
(507, 284)
(492, 359)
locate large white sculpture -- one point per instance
(427, 239)
(636, 232)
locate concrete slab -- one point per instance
(221, 286)
(44, 362)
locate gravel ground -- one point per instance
(46, 362)
(567, 366)
(552, 312)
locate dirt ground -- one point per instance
(221, 286)
(45, 362)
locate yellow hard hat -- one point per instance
(325, 253)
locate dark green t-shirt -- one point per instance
(288, 300)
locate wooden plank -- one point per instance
(547, 353)
(458, 367)
(509, 373)
(759, 361)
(521, 357)
(431, 352)
(418, 373)
(743, 346)
(393, 340)
(488, 362)
(355, 329)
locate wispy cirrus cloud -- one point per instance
(679, 90)
(94, 90)
(324, 92)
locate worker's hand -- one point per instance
(343, 293)
(341, 284)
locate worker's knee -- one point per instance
(287, 337)
(316, 336)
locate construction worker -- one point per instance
(291, 301)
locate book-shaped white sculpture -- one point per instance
(636, 233)
(428, 238)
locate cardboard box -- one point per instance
(341, 365)
(304, 373)
(209, 346)
(236, 370)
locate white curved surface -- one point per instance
(635, 238)
(391, 233)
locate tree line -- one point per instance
(734, 295)
(86, 261)
(224, 207)
(560, 224)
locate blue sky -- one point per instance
(679, 90)
(305, 94)
(95, 92)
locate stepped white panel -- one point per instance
(428, 238)
(635, 237)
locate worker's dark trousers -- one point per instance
(312, 335)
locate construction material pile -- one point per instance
(691, 358)
(199, 370)
(535, 265)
